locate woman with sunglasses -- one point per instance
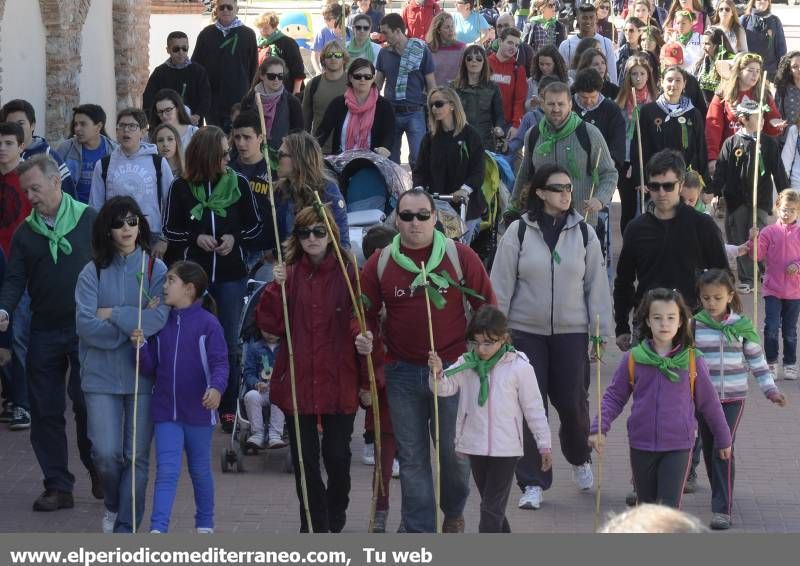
(725, 18)
(450, 160)
(361, 46)
(168, 108)
(604, 25)
(480, 96)
(323, 88)
(544, 29)
(273, 42)
(765, 36)
(328, 374)
(107, 302)
(211, 215)
(360, 118)
(445, 48)
(550, 279)
(282, 110)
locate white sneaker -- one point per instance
(109, 519)
(256, 440)
(205, 531)
(395, 469)
(532, 498)
(582, 476)
(368, 456)
(276, 442)
(790, 372)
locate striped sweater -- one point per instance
(728, 363)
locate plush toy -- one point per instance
(297, 25)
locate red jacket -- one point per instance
(510, 77)
(14, 208)
(418, 18)
(721, 121)
(328, 371)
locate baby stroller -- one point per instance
(497, 183)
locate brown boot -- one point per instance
(455, 525)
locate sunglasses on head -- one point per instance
(667, 187)
(476, 58)
(422, 215)
(361, 28)
(274, 76)
(558, 187)
(362, 77)
(305, 233)
(438, 103)
(132, 221)
(334, 55)
(178, 48)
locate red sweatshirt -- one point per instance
(721, 121)
(406, 323)
(14, 208)
(511, 79)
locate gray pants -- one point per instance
(737, 231)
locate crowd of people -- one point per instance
(124, 259)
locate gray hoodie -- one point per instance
(135, 177)
(106, 353)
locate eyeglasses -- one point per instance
(558, 187)
(475, 345)
(132, 221)
(305, 233)
(360, 77)
(667, 187)
(178, 48)
(334, 55)
(422, 215)
(223, 7)
(438, 103)
(165, 110)
(361, 28)
(471, 58)
(128, 126)
(274, 76)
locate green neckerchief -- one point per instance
(68, 216)
(741, 329)
(270, 39)
(482, 368)
(700, 206)
(441, 280)
(224, 194)
(683, 38)
(642, 354)
(546, 23)
(548, 139)
(364, 52)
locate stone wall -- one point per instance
(131, 41)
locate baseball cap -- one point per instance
(671, 54)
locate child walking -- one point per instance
(498, 389)
(189, 360)
(669, 382)
(730, 345)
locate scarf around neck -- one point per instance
(482, 368)
(172, 65)
(741, 329)
(546, 23)
(223, 195)
(410, 61)
(684, 105)
(643, 354)
(362, 117)
(363, 52)
(270, 39)
(269, 101)
(548, 139)
(67, 218)
(227, 29)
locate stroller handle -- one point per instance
(462, 202)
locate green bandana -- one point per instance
(224, 194)
(741, 329)
(700, 206)
(270, 39)
(548, 140)
(546, 23)
(364, 52)
(482, 368)
(642, 354)
(69, 213)
(683, 38)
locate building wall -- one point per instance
(96, 80)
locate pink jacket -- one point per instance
(495, 429)
(779, 247)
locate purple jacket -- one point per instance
(663, 413)
(187, 357)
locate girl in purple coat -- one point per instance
(669, 382)
(189, 360)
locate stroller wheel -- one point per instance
(288, 467)
(238, 461)
(223, 460)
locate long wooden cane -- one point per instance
(287, 325)
(755, 194)
(136, 399)
(641, 153)
(594, 182)
(599, 425)
(437, 468)
(358, 308)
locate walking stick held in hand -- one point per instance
(597, 351)
(437, 469)
(755, 194)
(136, 399)
(287, 326)
(641, 153)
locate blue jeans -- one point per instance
(14, 382)
(229, 296)
(411, 408)
(171, 440)
(413, 124)
(111, 432)
(780, 316)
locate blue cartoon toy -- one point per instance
(297, 25)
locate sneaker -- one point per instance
(155, 532)
(720, 522)
(395, 469)
(631, 499)
(205, 531)
(276, 442)
(256, 440)
(109, 520)
(743, 288)
(789, 372)
(454, 526)
(7, 413)
(21, 419)
(337, 522)
(227, 422)
(52, 500)
(691, 485)
(368, 455)
(532, 498)
(582, 476)
(379, 524)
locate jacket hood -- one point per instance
(144, 149)
(573, 218)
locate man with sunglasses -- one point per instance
(228, 51)
(668, 246)
(391, 279)
(184, 76)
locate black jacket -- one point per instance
(607, 118)
(191, 83)
(288, 116)
(287, 49)
(665, 253)
(381, 134)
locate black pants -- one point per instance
(658, 477)
(721, 472)
(561, 362)
(328, 505)
(629, 201)
(493, 477)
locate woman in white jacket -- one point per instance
(498, 388)
(550, 280)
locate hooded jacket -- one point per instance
(72, 153)
(778, 248)
(39, 145)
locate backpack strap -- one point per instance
(451, 251)
(151, 262)
(584, 232)
(631, 368)
(104, 162)
(157, 160)
(383, 261)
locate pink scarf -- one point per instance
(361, 119)
(269, 101)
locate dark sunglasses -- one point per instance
(132, 221)
(438, 103)
(558, 188)
(223, 7)
(476, 58)
(422, 216)
(361, 28)
(666, 187)
(274, 76)
(177, 48)
(334, 55)
(305, 233)
(360, 77)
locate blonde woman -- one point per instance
(445, 48)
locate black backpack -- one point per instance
(104, 175)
